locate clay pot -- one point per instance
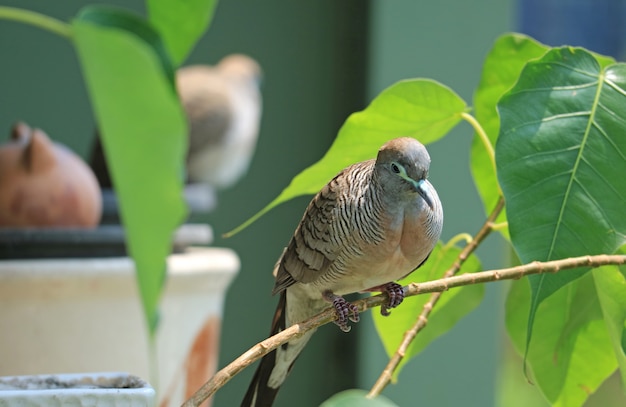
(44, 184)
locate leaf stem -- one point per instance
(421, 321)
(483, 137)
(499, 226)
(36, 19)
(461, 236)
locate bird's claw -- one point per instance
(395, 296)
(345, 311)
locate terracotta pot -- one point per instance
(44, 184)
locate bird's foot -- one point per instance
(395, 296)
(345, 311)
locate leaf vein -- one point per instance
(583, 144)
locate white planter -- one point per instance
(84, 315)
(76, 390)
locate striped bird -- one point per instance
(374, 223)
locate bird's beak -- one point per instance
(423, 190)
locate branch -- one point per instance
(257, 352)
(515, 273)
(263, 348)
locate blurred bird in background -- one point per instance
(223, 106)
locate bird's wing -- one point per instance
(321, 236)
(210, 117)
(204, 94)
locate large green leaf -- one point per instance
(500, 71)
(419, 108)
(181, 23)
(452, 306)
(144, 136)
(574, 355)
(561, 156)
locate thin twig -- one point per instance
(263, 348)
(421, 321)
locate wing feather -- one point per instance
(320, 237)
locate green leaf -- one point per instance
(181, 23)
(500, 71)
(452, 306)
(574, 355)
(143, 131)
(419, 108)
(107, 16)
(352, 398)
(561, 154)
(611, 290)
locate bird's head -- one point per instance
(403, 164)
(241, 67)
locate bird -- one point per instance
(223, 107)
(374, 223)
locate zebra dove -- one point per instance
(374, 223)
(223, 107)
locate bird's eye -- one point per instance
(394, 168)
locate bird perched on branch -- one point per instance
(223, 107)
(374, 223)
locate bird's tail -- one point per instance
(274, 366)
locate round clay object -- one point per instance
(44, 184)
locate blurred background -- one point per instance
(323, 60)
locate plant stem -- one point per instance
(421, 321)
(499, 226)
(153, 365)
(461, 236)
(36, 19)
(483, 137)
